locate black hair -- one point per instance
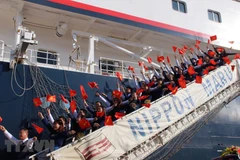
(65, 120)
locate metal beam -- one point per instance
(130, 53)
(135, 35)
(90, 24)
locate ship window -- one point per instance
(179, 6)
(214, 16)
(47, 57)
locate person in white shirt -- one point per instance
(24, 144)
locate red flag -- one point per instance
(182, 82)
(51, 98)
(148, 105)
(174, 48)
(37, 102)
(196, 46)
(185, 47)
(146, 68)
(131, 69)
(140, 63)
(143, 97)
(1, 119)
(198, 42)
(170, 87)
(37, 128)
(119, 115)
(117, 94)
(84, 124)
(205, 71)
(100, 114)
(180, 51)
(226, 60)
(72, 93)
(63, 98)
(108, 121)
(200, 62)
(149, 59)
(92, 85)
(231, 42)
(160, 59)
(211, 53)
(213, 38)
(119, 76)
(198, 79)
(175, 89)
(191, 70)
(237, 56)
(191, 50)
(168, 59)
(220, 49)
(83, 92)
(232, 67)
(212, 62)
(210, 68)
(138, 91)
(151, 84)
(209, 41)
(73, 105)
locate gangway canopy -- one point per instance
(142, 132)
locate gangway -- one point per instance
(139, 134)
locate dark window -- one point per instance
(214, 16)
(179, 6)
(47, 57)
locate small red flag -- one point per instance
(200, 62)
(1, 119)
(108, 121)
(205, 71)
(92, 85)
(149, 59)
(232, 67)
(220, 49)
(117, 94)
(146, 68)
(185, 47)
(140, 63)
(196, 46)
(174, 48)
(170, 87)
(143, 97)
(237, 56)
(168, 59)
(119, 115)
(119, 76)
(226, 60)
(63, 98)
(37, 128)
(151, 84)
(175, 89)
(198, 42)
(83, 92)
(181, 51)
(231, 42)
(160, 59)
(213, 38)
(100, 114)
(138, 91)
(211, 53)
(37, 102)
(148, 105)
(198, 79)
(72, 93)
(191, 70)
(182, 82)
(212, 62)
(84, 124)
(51, 98)
(131, 69)
(73, 105)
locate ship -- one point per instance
(76, 41)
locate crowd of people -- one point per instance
(126, 99)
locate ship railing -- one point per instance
(109, 67)
(1, 48)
